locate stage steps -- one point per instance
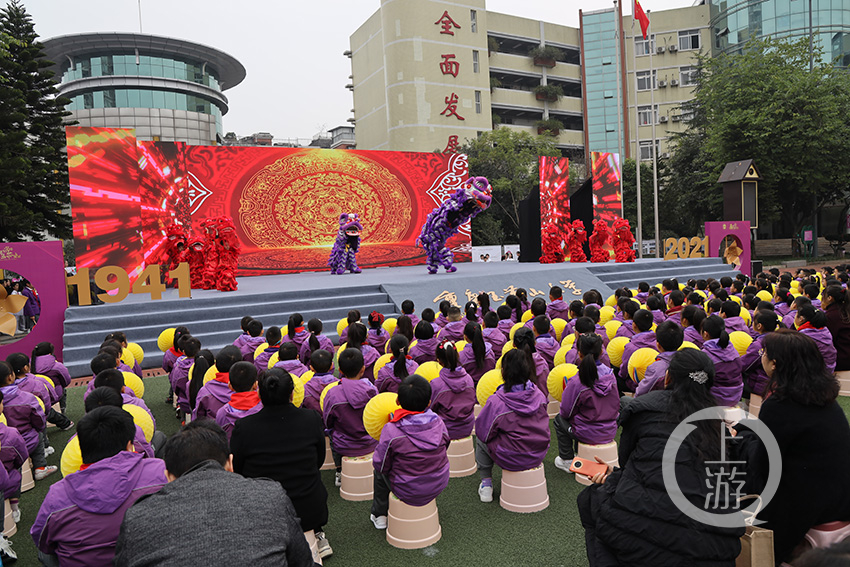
(652, 272)
(214, 319)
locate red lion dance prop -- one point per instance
(600, 237)
(195, 257)
(175, 247)
(622, 241)
(228, 249)
(578, 236)
(553, 246)
(210, 252)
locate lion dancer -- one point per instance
(576, 240)
(228, 249)
(344, 252)
(445, 220)
(195, 257)
(623, 241)
(600, 237)
(210, 252)
(173, 251)
(552, 245)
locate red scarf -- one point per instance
(399, 414)
(174, 351)
(244, 400)
(223, 377)
(807, 325)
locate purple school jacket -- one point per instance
(653, 378)
(788, 320)
(377, 339)
(658, 316)
(414, 320)
(13, 453)
(168, 359)
(292, 366)
(81, 515)
(515, 427)
(547, 346)
(572, 357)
(692, 335)
(343, 336)
(626, 329)
(425, 350)
(781, 308)
(343, 417)
(754, 375)
(453, 331)
(441, 321)
(645, 339)
(387, 381)
(130, 399)
(305, 352)
(453, 399)
(261, 362)
(541, 373)
(370, 356)
(32, 308)
(558, 309)
(249, 346)
(823, 338)
(496, 339)
(212, 396)
(592, 411)
(601, 331)
(466, 358)
(728, 383)
(299, 337)
(314, 388)
(241, 340)
(227, 416)
(39, 387)
(179, 378)
(412, 455)
(53, 369)
(675, 314)
(24, 413)
(505, 325)
(737, 324)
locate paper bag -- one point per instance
(756, 548)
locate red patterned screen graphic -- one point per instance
(607, 193)
(285, 202)
(554, 196)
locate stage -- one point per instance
(214, 316)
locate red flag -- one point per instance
(641, 16)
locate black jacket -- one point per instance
(635, 520)
(286, 444)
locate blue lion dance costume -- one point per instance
(344, 251)
(445, 220)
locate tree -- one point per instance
(509, 160)
(33, 165)
(765, 104)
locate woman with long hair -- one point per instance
(836, 304)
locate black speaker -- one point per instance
(581, 207)
(529, 227)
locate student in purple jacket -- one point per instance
(626, 329)
(28, 382)
(483, 306)
(357, 340)
(288, 359)
(644, 338)
(410, 458)
(243, 338)
(675, 305)
(409, 309)
(477, 358)
(655, 305)
(585, 326)
(44, 362)
(172, 354)
(114, 380)
(255, 330)
(692, 318)
(274, 340)
(515, 307)
(79, 520)
(400, 366)
(443, 318)
(121, 337)
(428, 316)
(343, 411)
(215, 393)
(453, 393)
(538, 308)
(782, 301)
(179, 377)
(245, 400)
(106, 396)
(755, 378)
(731, 313)
(506, 322)
(592, 311)
(352, 317)
(728, 382)
(24, 413)
(522, 296)
(589, 406)
(404, 327)
(524, 341)
(321, 363)
(13, 453)
(453, 329)
(799, 301)
(492, 335)
(668, 339)
(376, 335)
(512, 429)
(314, 342)
(557, 308)
(295, 331)
(545, 343)
(32, 308)
(812, 323)
(812, 291)
(426, 343)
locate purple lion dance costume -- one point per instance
(344, 252)
(445, 220)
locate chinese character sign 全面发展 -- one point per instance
(449, 65)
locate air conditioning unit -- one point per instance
(674, 83)
(673, 49)
(662, 119)
(659, 50)
(665, 155)
(676, 118)
(662, 84)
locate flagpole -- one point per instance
(621, 120)
(654, 116)
(639, 230)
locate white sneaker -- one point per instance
(49, 451)
(563, 465)
(6, 552)
(16, 515)
(485, 493)
(44, 472)
(380, 522)
(338, 479)
(325, 550)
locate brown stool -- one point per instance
(461, 455)
(329, 457)
(553, 408)
(476, 409)
(524, 491)
(10, 528)
(27, 480)
(413, 527)
(357, 478)
(606, 452)
(755, 404)
(314, 546)
(843, 382)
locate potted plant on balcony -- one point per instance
(497, 120)
(492, 45)
(549, 93)
(550, 126)
(544, 56)
(495, 83)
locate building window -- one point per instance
(687, 76)
(688, 39)
(643, 83)
(646, 150)
(109, 98)
(473, 21)
(88, 100)
(474, 61)
(646, 116)
(642, 46)
(477, 102)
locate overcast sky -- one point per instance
(292, 50)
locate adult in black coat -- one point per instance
(813, 436)
(836, 304)
(628, 516)
(287, 444)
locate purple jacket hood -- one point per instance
(521, 399)
(106, 484)
(424, 430)
(455, 379)
(727, 354)
(357, 392)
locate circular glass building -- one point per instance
(167, 89)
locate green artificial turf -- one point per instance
(473, 533)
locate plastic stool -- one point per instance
(606, 452)
(58, 410)
(828, 534)
(755, 404)
(524, 491)
(10, 528)
(27, 480)
(461, 455)
(329, 457)
(734, 415)
(476, 409)
(413, 527)
(553, 408)
(843, 382)
(357, 478)
(314, 546)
